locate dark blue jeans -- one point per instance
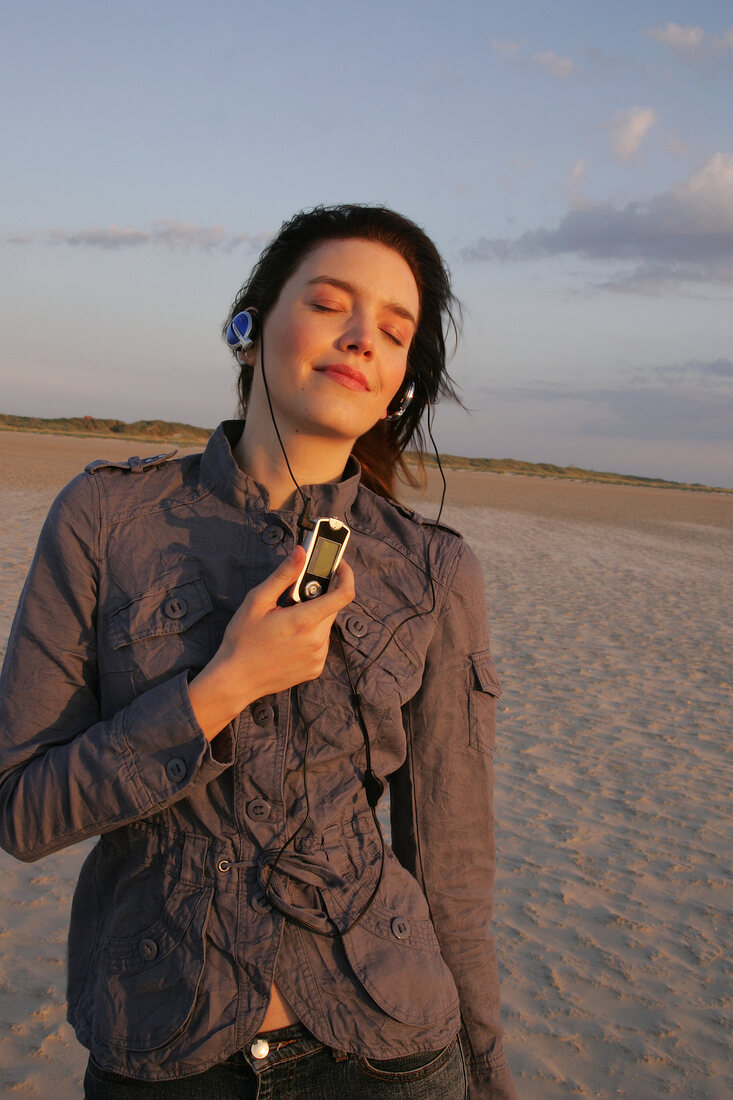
(298, 1067)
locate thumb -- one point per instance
(270, 590)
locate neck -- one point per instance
(313, 461)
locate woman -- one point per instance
(241, 920)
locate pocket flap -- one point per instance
(486, 678)
(168, 610)
(397, 960)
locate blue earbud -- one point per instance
(240, 330)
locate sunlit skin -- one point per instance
(335, 355)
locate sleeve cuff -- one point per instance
(166, 748)
(489, 1073)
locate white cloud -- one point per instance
(506, 49)
(628, 130)
(691, 42)
(578, 177)
(684, 235)
(170, 234)
(559, 67)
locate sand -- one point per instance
(610, 611)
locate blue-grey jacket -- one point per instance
(173, 946)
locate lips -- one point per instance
(344, 375)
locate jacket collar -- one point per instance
(221, 474)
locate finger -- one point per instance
(344, 582)
(340, 593)
(281, 578)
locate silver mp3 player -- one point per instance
(324, 548)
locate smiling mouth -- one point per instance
(344, 375)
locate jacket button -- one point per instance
(175, 769)
(356, 626)
(273, 535)
(262, 713)
(260, 903)
(400, 927)
(258, 809)
(175, 607)
(260, 1048)
(147, 949)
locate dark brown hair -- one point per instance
(380, 450)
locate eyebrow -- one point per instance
(393, 307)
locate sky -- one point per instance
(572, 161)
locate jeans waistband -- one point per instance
(285, 1044)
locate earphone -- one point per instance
(400, 408)
(240, 333)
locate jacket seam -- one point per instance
(160, 506)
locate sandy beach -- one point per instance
(611, 625)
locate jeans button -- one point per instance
(260, 1048)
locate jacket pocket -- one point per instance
(378, 657)
(162, 631)
(394, 953)
(146, 976)
(484, 690)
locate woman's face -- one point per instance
(336, 340)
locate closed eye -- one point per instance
(324, 307)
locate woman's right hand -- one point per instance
(267, 648)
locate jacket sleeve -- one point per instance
(65, 774)
(442, 815)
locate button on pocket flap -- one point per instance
(366, 634)
(485, 676)
(398, 962)
(167, 610)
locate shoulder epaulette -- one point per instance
(410, 513)
(442, 527)
(133, 465)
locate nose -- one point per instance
(358, 338)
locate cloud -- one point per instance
(663, 414)
(691, 402)
(708, 373)
(628, 130)
(672, 141)
(169, 234)
(684, 235)
(559, 67)
(692, 42)
(506, 49)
